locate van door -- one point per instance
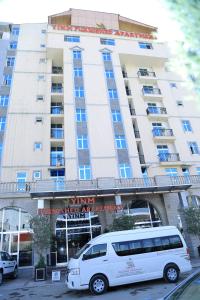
(94, 261)
(7, 263)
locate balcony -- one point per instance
(57, 160)
(57, 110)
(57, 70)
(147, 76)
(128, 92)
(168, 157)
(124, 74)
(141, 159)
(132, 111)
(151, 93)
(163, 133)
(56, 88)
(57, 133)
(154, 110)
(137, 134)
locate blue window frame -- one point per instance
(15, 30)
(80, 115)
(116, 116)
(109, 74)
(198, 170)
(72, 38)
(163, 152)
(4, 99)
(171, 172)
(1, 149)
(110, 42)
(21, 179)
(125, 171)
(77, 54)
(8, 79)
(57, 174)
(82, 142)
(78, 72)
(2, 123)
(37, 146)
(13, 45)
(173, 85)
(84, 172)
(36, 175)
(106, 56)
(144, 45)
(113, 94)
(10, 61)
(79, 92)
(186, 126)
(120, 142)
(193, 147)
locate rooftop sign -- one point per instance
(104, 31)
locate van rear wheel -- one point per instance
(98, 284)
(171, 273)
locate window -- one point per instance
(84, 173)
(120, 141)
(38, 146)
(77, 54)
(42, 60)
(7, 79)
(82, 142)
(42, 45)
(109, 74)
(43, 31)
(79, 92)
(1, 149)
(4, 100)
(171, 171)
(72, 38)
(110, 42)
(173, 85)
(36, 175)
(186, 126)
(112, 93)
(78, 72)
(198, 170)
(125, 171)
(116, 116)
(10, 61)
(96, 251)
(179, 103)
(193, 147)
(144, 45)
(186, 172)
(2, 123)
(38, 120)
(21, 179)
(80, 115)
(152, 108)
(40, 98)
(57, 173)
(41, 77)
(106, 56)
(163, 152)
(15, 30)
(13, 45)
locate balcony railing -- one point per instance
(162, 132)
(124, 74)
(128, 92)
(151, 91)
(100, 186)
(57, 70)
(57, 160)
(56, 88)
(132, 111)
(56, 110)
(146, 73)
(57, 133)
(137, 134)
(156, 110)
(141, 159)
(168, 157)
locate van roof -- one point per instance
(133, 231)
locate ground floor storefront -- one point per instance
(76, 220)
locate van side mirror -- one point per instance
(85, 257)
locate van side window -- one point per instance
(147, 245)
(95, 251)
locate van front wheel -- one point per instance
(98, 284)
(171, 273)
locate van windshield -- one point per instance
(80, 251)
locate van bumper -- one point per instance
(73, 283)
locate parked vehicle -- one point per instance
(188, 289)
(8, 266)
(129, 256)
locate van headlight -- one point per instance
(74, 271)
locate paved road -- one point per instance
(29, 290)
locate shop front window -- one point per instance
(16, 234)
(73, 231)
(144, 213)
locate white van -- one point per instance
(129, 256)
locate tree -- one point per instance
(186, 12)
(192, 218)
(41, 236)
(122, 223)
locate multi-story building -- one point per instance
(92, 126)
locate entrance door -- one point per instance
(61, 246)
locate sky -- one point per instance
(152, 12)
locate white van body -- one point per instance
(161, 247)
